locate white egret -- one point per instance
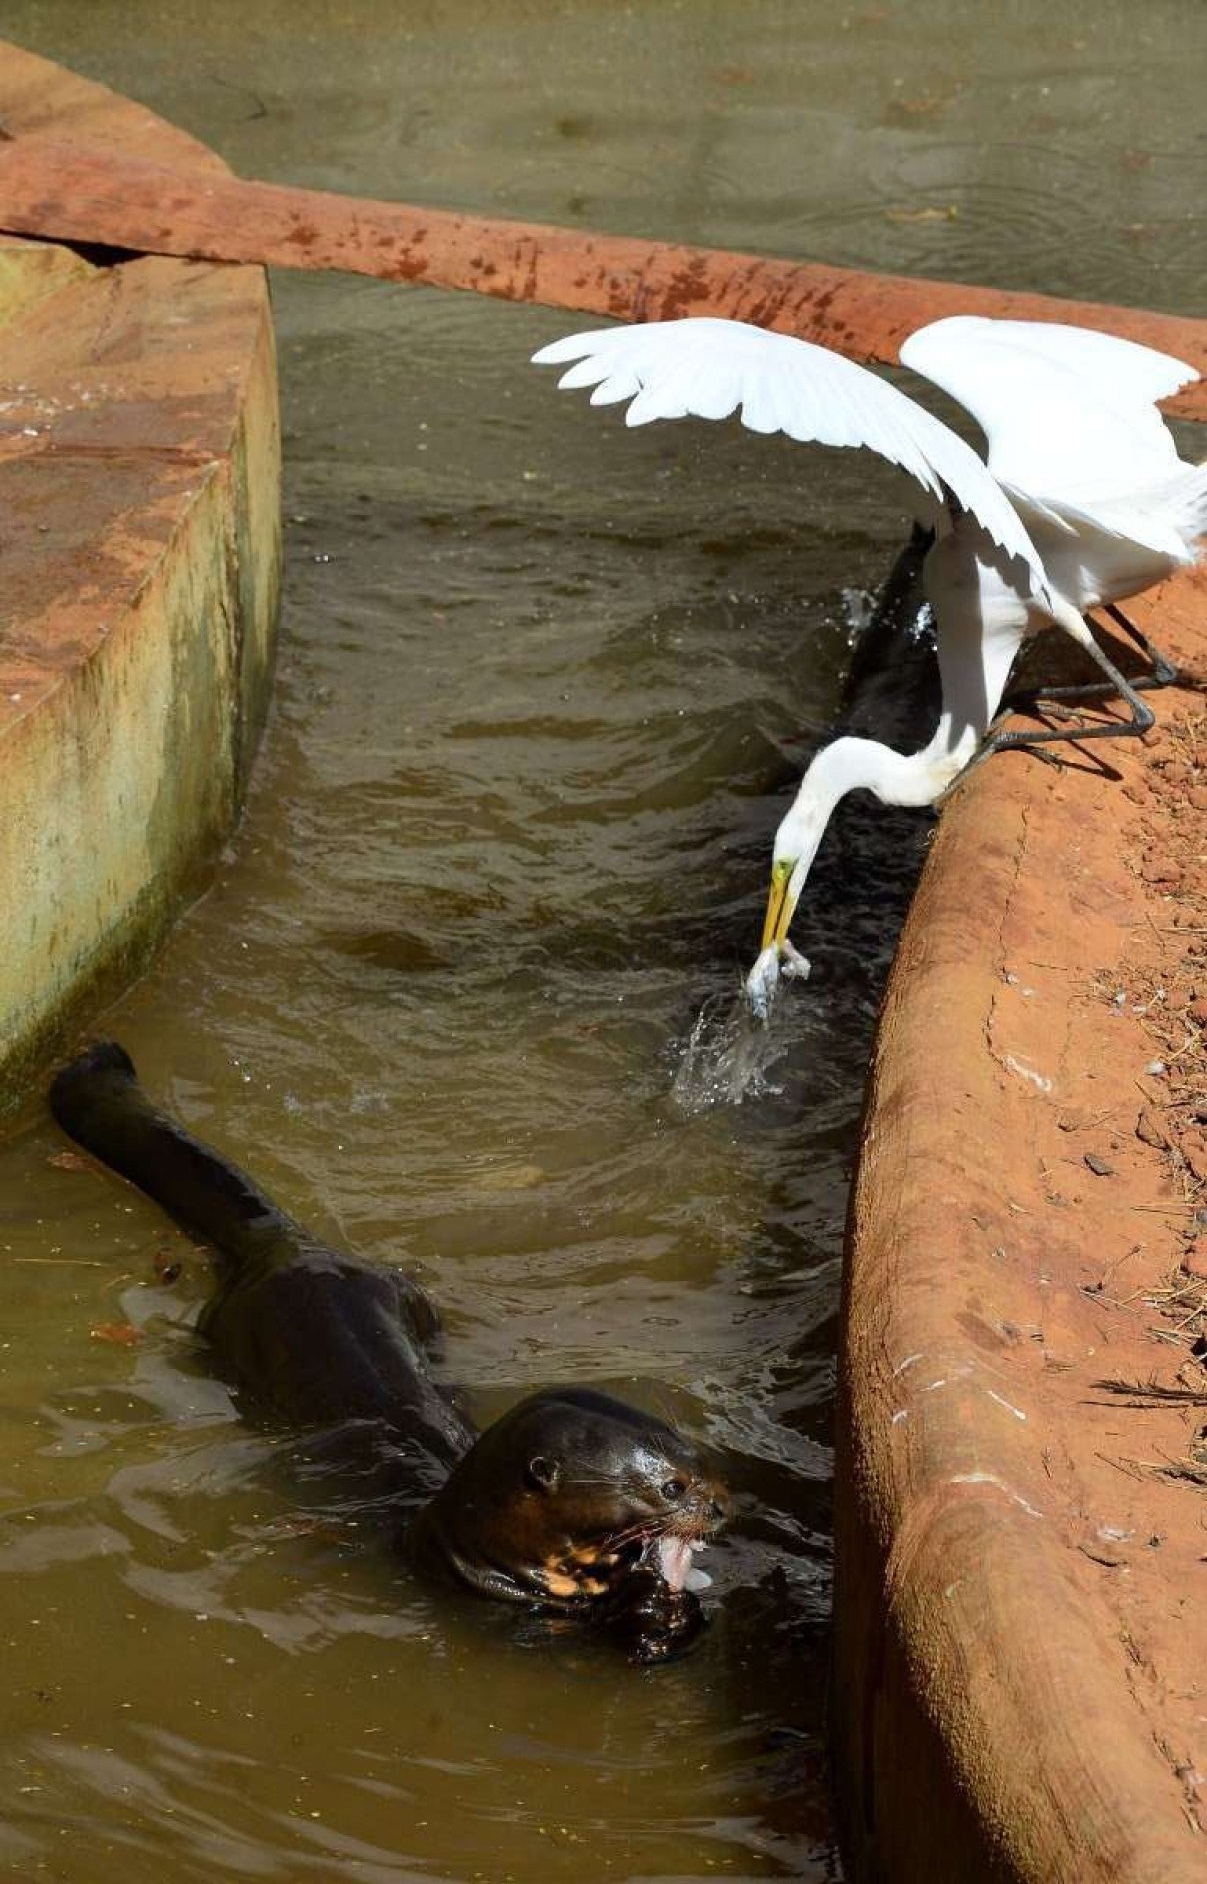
(1083, 501)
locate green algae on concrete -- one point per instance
(139, 484)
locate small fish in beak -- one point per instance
(776, 959)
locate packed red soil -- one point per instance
(1022, 1640)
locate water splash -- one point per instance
(728, 1057)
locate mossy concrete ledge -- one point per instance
(1020, 1690)
(140, 550)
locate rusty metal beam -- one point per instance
(93, 194)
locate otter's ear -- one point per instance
(544, 1473)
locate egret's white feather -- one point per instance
(1164, 517)
(1118, 546)
(1067, 411)
(709, 369)
(1136, 374)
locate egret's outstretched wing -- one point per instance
(709, 369)
(1065, 410)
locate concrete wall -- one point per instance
(140, 549)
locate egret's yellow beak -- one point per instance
(781, 907)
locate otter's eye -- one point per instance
(672, 1489)
(544, 1473)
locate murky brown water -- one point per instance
(542, 689)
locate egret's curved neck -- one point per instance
(895, 778)
(982, 618)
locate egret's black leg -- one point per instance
(1164, 673)
(1142, 717)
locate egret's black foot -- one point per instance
(1142, 719)
(1164, 671)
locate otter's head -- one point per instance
(575, 1501)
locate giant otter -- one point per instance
(572, 1502)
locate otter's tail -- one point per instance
(98, 1101)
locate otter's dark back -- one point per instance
(309, 1334)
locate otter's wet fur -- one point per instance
(572, 1502)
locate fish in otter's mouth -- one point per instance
(665, 1551)
(670, 1552)
(675, 1561)
(650, 1599)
